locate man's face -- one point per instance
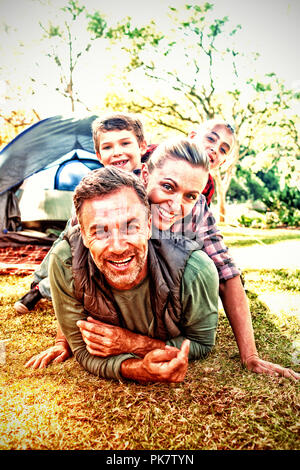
(173, 190)
(217, 142)
(121, 149)
(116, 228)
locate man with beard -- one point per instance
(161, 296)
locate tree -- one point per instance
(187, 63)
(66, 49)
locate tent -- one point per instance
(39, 170)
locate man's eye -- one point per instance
(102, 232)
(132, 228)
(224, 151)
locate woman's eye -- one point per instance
(192, 197)
(167, 186)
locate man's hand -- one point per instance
(58, 353)
(161, 365)
(105, 340)
(255, 364)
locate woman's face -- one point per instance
(173, 190)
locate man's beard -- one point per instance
(127, 279)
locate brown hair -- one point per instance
(105, 181)
(117, 121)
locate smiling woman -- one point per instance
(175, 177)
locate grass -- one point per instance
(239, 237)
(219, 406)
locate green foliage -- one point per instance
(247, 185)
(97, 24)
(284, 207)
(247, 221)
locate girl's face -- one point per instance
(217, 142)
(173, 190)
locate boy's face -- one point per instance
(121, 148)
(217, 142)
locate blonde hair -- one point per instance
(178, 149)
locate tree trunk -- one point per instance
(223, 182)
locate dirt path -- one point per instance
(277, 256)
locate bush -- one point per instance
(253, 222)
(283, 207)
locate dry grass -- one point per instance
(220, 405)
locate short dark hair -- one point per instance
(104, 181)
(117, 121)
(178, 149)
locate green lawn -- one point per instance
(219, 406)
(238, 236)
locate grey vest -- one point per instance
(166, 264)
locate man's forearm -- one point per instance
(106, 340)
(160, 365)
(140, 345)
(236, 307)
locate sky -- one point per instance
(270, 27)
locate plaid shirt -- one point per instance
(201, 226)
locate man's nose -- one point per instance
(117, 242)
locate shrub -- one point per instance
(286, 205)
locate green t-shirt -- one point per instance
(199, 295)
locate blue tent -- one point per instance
(57, 152)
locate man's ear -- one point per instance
(143, 146)
(83, 236)
(144, 174)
